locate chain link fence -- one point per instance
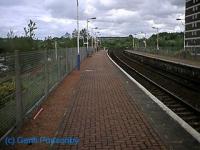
(26, 78)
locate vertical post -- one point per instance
(133, 43)
(92, 42)
(157, 39)
(56, 50)
(184, 38)
(78, 51)
(145, 35)
(18, 84)
(66, 61)
(97, 43)
(87, 37)
(184, 24)
(57, 61)
(46, 73)
(70, 60)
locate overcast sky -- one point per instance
(114, 17)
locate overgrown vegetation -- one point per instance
(6, 89)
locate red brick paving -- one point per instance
(103, 115)
(48, 121)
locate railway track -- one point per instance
(156, 83)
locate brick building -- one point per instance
(192, 25)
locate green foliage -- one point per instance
(167, 40)
(29, 31)
(173, 40)
(118, 43)
(6, 89)
(18, 43)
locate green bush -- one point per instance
(6, 89)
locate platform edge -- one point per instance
(180, 121)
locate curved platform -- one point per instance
(106, 110)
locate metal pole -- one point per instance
(184, 40)
(157, 39)
(92, 42)
(18, 84)
(56, 50)
(184, 35)
(133, 43)
(78, 55)
(67, 66)
(145, 35)
(57, 61)
(95, 43)
(46, 73)
(87, 37)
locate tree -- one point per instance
(74, 33)
(29, 31)
(130, 36)
(10, 34)
(67, 35)
(48, 43)
(83, 33)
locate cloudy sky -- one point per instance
(114, 17)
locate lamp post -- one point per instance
(82, 37)
(93, 18)
(178, 19)
(93, 38)
(134, 41)
(157, 36)
(96, 40)
(145, 43)
(78, 50)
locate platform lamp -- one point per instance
(157, 36)
(178, 19)
(134, 40)
(145, 42)
(94, 36)
(93, 18)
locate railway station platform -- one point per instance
(101, 107)
(184, 62)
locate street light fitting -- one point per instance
(154, 27)
(179, 19)
(93, 18)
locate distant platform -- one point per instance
(185, 62)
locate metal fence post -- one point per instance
(46, 75)
(57, 61)
(18, 85)
(70, 62)
(66, 61)
(59, 72)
